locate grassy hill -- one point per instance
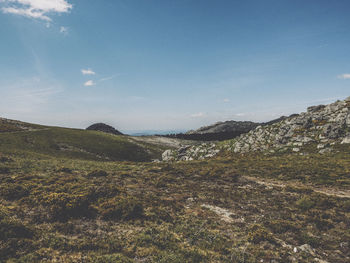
(61, 204)
(28, 139)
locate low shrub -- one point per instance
(111, 258)
(63, 205)
(10, 228)
(98, 173)
(4, 170)
(306, 238)
(180, 256)
(4, 159)
(258, 233)
(121, 208)
(321, 223)
(13, 191)
(65, 170)
(305, 203)
(282, 226)
(346, 206)
(104, 191)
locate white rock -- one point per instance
(346, 140)
(298, 144)
(168, 155)
(326, 150)
(307, 248)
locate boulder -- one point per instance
(346, 140)
(168, 155)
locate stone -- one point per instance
(326, 150)
(307, 248)
(168, 155)
(315, 108)
(298, 144)
(346, 140)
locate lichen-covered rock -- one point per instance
(168, 155)
(323, 125)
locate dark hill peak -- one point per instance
(102, 127)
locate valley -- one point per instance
(70, 195)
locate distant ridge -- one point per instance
(227, 126)
(102, 127)
(221, 131)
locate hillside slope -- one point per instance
(249, 208)
(319, 129)
(29, 139)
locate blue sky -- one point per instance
(168, 65)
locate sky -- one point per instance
(170, 64)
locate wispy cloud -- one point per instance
(226, 100)
(109, 78)
(29, 95)
(64, 30)
(36, 9)
(87, 72)
(89, 83)
(344, 76)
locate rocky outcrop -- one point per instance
(192, 152)
(322, 126)
(103, 128)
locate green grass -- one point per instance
(16, 126)
(78, 144)
(328, 169)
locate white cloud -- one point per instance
(64, 30)
(226, 100)
(344, 76)
(37, 9)
(198, 115)
(89, 83)
(87, 72)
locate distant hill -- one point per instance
(226, 127)
(218, 132)
(222, 131)
(102, 127)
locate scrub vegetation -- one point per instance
(72, 206)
